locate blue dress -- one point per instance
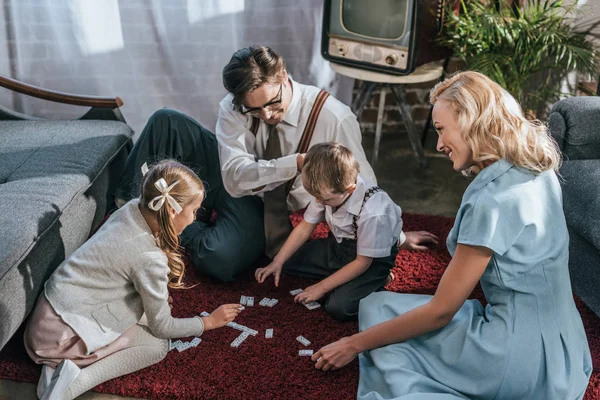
(528, 342)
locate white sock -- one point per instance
(44, 382)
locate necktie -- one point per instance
(276, 215)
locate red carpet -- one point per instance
(271, 368)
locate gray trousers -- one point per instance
(220, 250)
(318, 259)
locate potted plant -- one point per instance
(527, 49)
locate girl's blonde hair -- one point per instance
(329, 166)
(493, 125)
(188, 188)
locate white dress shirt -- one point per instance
(379, 223)
(241, 153)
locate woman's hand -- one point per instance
(221, 316)
(335, 355)
(419, 240)
(311, 293)
(272, 269)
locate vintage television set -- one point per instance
(388, 36)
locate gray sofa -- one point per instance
(54, 191)
(575, 124)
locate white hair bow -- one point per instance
(157, 202)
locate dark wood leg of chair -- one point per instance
(415, 140)
(363, 97)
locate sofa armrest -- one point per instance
(574, 125)
(101, 107)
(581, 198)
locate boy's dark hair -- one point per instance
(329, 166)
(250, 68)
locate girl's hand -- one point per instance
(170, 300)
(311, 293)
(221, 316)
(274, 268)
(334, 355)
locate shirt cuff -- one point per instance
(287, 167)
(202, 324)
(374, 253)
(312, 219)
(401, 239)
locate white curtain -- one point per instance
(153, 53)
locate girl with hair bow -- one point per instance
(85, 328)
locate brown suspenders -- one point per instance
(308, 129)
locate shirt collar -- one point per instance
(293, 112)
(488, 174)
(354, 202)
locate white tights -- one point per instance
(144, 350)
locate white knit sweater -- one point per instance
(106, 285)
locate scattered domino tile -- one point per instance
(296, 291)
(238, 340)
(243, 300)
(264, 302)
(242, 328)
(242, 308)
(303, 340)
(249, 301)
(312, 305)
(204, 314)
(174, 344)
(272, 302)
(269, 333)
(305, 352)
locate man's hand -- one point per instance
(419, 240)
(335, 355)
(300, 161)
(221, 316)
(311, 293)
(274, 268)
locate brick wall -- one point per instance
(417, 96)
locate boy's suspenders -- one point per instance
(306, 135)
(370, 192)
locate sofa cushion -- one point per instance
(44, 165)
(574, 124)
(581, 198)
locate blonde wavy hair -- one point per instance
(493, 125)
(188, 188)
(329, 166)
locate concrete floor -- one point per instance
(435, 190)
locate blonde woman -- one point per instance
(510, 235)
(84, 329)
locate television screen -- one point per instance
(389, 36)
(386, 19)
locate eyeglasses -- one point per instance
(271, 106)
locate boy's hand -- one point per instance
(419, 240)
(274, 268)
(311, 293)
(300, 161)
(221, 316)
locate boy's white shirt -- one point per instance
(379, 223)
(241, 153)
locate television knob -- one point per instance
(391, 59)
(342, 49)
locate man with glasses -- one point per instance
(264, 128)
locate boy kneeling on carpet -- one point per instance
(89, 311)
(365, 229)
